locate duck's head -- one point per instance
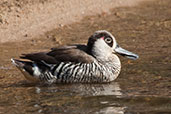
(102, 44)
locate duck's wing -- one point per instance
(72, 53)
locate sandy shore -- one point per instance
(26, 19)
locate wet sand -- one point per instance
(143, 29)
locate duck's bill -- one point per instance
(126, 53)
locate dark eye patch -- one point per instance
(96, 36)
(105, 36)
(110, 43)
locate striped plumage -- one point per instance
(80, 72)
(95, 62)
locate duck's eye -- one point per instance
(108, 40)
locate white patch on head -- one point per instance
(101, 49)
(36, 70)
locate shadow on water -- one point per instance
(143, 86)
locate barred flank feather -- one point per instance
(80, 72)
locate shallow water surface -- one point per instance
(143, 87)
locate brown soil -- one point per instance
(25, 19)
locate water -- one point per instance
(79, 99)
(143, 87)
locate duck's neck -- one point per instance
(111, 60)
(111, 67)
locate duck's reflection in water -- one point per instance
(111, 110)
(99, 89)
(82, 98)
(84, 89)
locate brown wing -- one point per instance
(73, 53)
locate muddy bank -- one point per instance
(143, 29)
(25, 19)
(142, 87)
